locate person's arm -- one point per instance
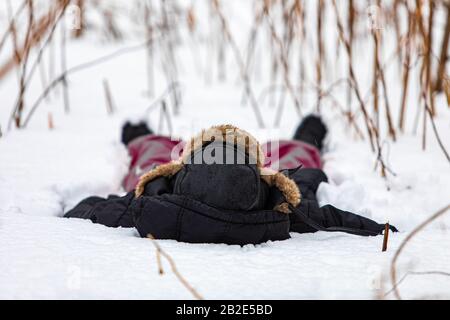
(115, 211)
(310, 217)
(111, 212)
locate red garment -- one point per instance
(148, 151)
(290, 154)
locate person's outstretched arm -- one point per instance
(115, 211)
(111, 212)
(310, 217)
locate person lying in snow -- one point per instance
(203, 197)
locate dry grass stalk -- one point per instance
(424, 123)
(40, 28)
(285, 64)
(31, 40)
(351, 27)
(239, 60)
(165, 114)
(53, 84)
(429, 53)
(376, 70)
(446, 88)
(64, 67)
(11, 25)
(191, 19)
(173, 266)
(443, 57)
(436, 133)
(108, 97)
(385, 237)
(406, 70)
(405, 242)
(292, 15)
(252, 39)
(50, 123)
(111, 26)
(169, 30)
(320, 46)
(43, 74)
(79, 31)
(15, 59)
(149, 34)
(380, 75)
(354, 84)
(396, 21)
(24, 61)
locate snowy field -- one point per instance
(43, 173)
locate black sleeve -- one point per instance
(111, 212)
(310, 217)
(115, 211)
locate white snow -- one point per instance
(43, 173)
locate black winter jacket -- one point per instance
(166, 213)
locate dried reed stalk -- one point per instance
(40, 28)
(16, 57)
(429, 53)
(24, 61)
(443, 57)
(385, 237)
(320, 46)
(351, 27)
(76, 69)
(50, 123)
(380, 75)
(168, 28)
(173, 266)
(108, 97)
(239, 60)
(354, 84)
(78, 32)
(149, 34)
(63, 61)
(406, 70)
(11, 25)
(165, 114)
(376, 70)
(283, 58)
(35, 38)
(436, 133)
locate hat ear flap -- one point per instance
(163, 170)
(287, 186)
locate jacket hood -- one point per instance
(242, 140)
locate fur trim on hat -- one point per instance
(240, 138)
(228, 133)
(163, 170)
(283, 208)
(287, 186)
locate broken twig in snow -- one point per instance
(385, 237)
(184, 282)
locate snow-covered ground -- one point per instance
(43, 173)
